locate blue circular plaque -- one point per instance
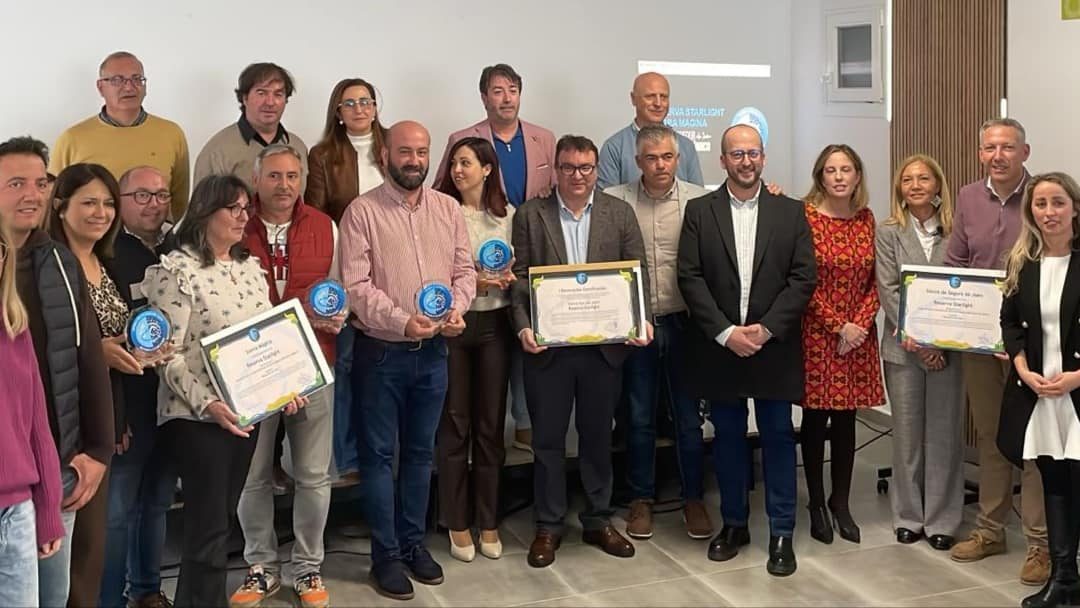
(327, 298)
(755, 118)
(148, 329)
(434, 300)
(494, 255)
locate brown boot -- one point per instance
(639, 521)
(696, 516)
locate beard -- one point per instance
(408, 181)
(745, 183)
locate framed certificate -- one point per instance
(951, 308)
(582, 304)
(262, 364)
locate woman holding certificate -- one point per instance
(924, 384)
(479, 359)
(1040, 414)
(207, 284)
(840, 349)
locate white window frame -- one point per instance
(874, 16)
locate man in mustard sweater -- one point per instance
(123, 135)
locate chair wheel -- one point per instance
(883, 486)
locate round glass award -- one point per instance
(434, 300)
(328, 299)
(148, 334)
(493, 257)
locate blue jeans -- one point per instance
(18, 555)
(54, 573)
(731, 457)
(401, 394)
(141, 489)
(346, 456)
(648, 371)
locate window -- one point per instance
(854, 72)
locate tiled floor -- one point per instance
(672, 570)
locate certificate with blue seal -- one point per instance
(260, 365)
(148, 333)
(951, 308)
(327, 299)
(586, 304)
(434, 300)
(493, 256)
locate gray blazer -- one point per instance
(895, 246)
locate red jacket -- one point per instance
(311, 252)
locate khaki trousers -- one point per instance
(984, 379)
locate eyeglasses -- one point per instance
(142, 197)
(119, 81)
(237, 209)
(584, 170)
(738, 155)
(360, 103)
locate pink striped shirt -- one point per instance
(388, 251)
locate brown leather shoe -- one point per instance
(609, 539)
(639, 521)
(696, 516)
(542, 550)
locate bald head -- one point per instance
(144, 202)
(140, 175)
(408, 144)
(650, 98)
(739, 136)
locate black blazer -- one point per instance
(784, 276)
(614, 236)
(1021, 330)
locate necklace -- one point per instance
(229, 271)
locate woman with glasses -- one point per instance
(479, 364)
(30, 490)
(344, 164)
(924, 384)
(210, 282)
(840, 348)
(84, 215)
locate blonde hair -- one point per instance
(860, 198)
(14, 311)
(898, 214)
(1029, 245)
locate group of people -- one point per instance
(749, 295)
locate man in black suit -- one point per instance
(747, 271)
(576, 224)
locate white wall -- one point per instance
(578, 59)
(815, 126)
(1043, 82)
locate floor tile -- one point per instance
(688, 591)
(978, 597)
(587, 569)
(499, 582)
(896, 572)
(809, 586)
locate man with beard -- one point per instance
(746, 272)
(297, 247)
(396, 240)
(263, 90)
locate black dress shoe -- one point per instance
(941, 542)
(906, 536)
(781, 556)
(725, 545)
(820, 528)
(845, 525)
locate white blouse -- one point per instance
(1053, 429)
(483, 226)
(367, 172)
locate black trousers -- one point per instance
(575, 377)
(475, 414)
(213, 465)
(841, 436)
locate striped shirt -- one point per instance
(744, 216)
(389, 251)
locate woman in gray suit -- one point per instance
(923, 384)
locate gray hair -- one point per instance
(274, 150)
(1012, 123)
(654, 134)
(116, 55)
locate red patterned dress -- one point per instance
(846, 292)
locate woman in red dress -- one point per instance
(840, 342)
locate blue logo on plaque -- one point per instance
(954, 282)
(148, 329)
(582, 278)
(434, 300)
(253, 334)
(493, 255)
(755, 118)
(327, 298)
